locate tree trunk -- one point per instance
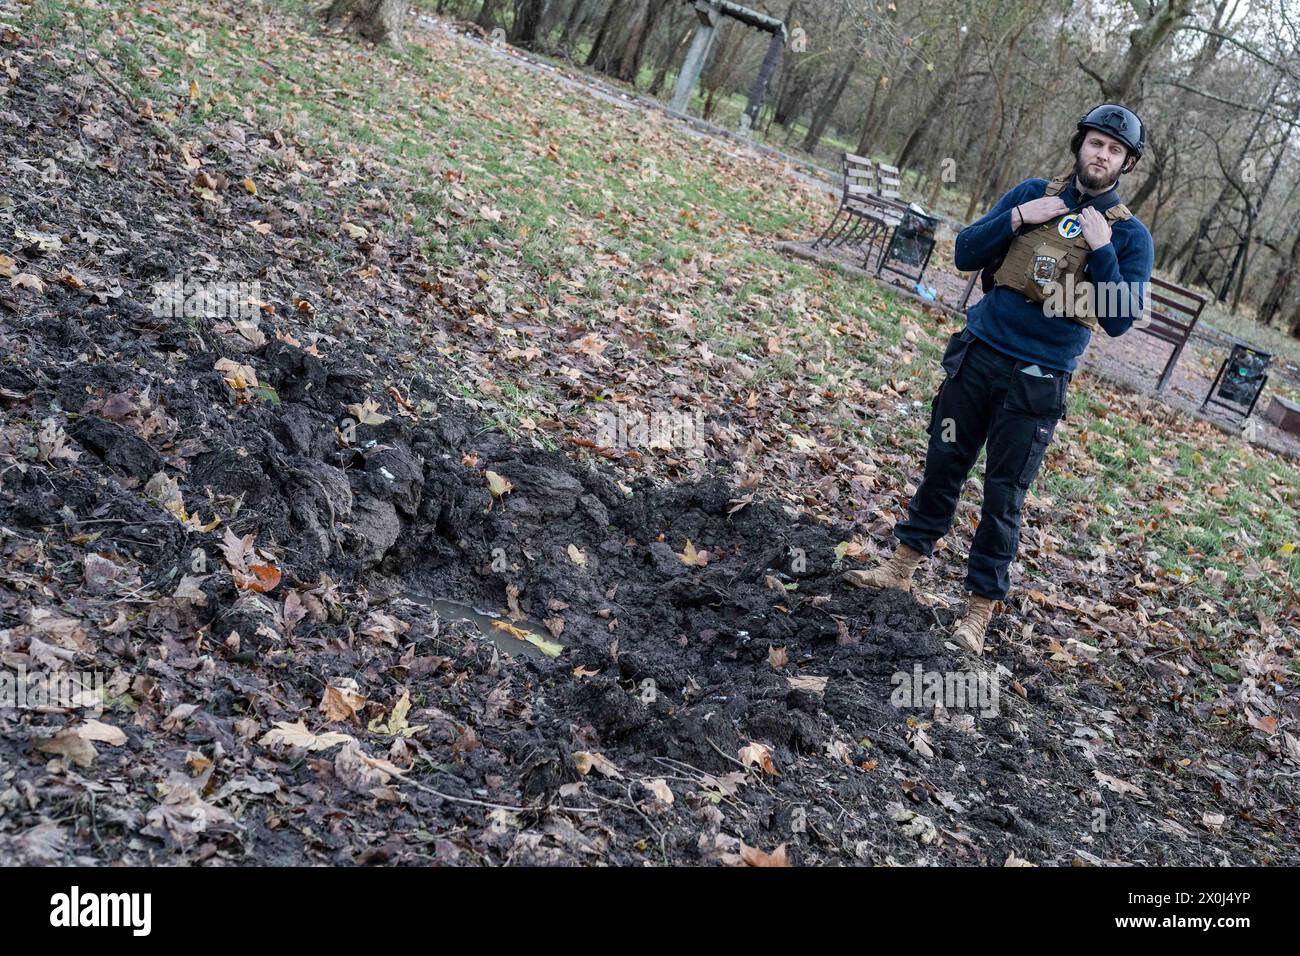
(601, 35)
(1279, 292)
(938, 101)
(1124, 85)
(634, 49)
(380, 21)
(528, 19)
(572, 24)
(487, 14)
(671, 52)
(826, 110)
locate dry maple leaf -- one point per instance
(342, 701)
(367, 413)
(236, 549)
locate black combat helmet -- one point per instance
(1118, 121)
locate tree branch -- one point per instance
(1240, 44)
(1224, 100)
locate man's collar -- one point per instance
(1074, 198)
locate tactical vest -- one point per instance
(1051, 251)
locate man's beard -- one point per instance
(1088, 179)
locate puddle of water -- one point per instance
(511, 637)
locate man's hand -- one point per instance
(1096, 230)
(1041, 210)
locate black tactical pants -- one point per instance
(985, 395)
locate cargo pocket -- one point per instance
(1037, 449)
(955, 354)
(934, 411)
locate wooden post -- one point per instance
(709, 14)
(757, 92)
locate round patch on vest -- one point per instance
(1069, 226)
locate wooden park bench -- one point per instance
(1173, 313)
(859, 174)
(869, 204)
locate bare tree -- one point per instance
(381, 21)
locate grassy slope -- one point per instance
(574, 213)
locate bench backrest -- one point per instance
(890, 182)
(1174, 311)
(859, 176)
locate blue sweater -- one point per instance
(1018, 326)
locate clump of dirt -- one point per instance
(712, 701)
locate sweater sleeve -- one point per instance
(985, 239)
(1121, 277)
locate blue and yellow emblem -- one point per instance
(1069, 226)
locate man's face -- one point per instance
(1100, 160)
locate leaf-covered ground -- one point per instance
(461, 265)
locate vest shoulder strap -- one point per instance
(1118, 213)
(1057, 185)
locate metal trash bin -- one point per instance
(1240, 381)
(910, 245)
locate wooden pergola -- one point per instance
(710, 13)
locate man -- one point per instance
(1059, 259)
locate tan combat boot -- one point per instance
(969, 632)
(894, 573)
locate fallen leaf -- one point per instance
(814, 685)
(1121, 787)
(397, 725)
(756, 754)
(689, 556)
(297, 735)
(367, 413)
(260, 578)
(238, 377)
(104, 733)
(70, 744)
(659, 787)
(752, 856)
(587, 762)
(497, 485)
(577, 556)
(342, 702)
